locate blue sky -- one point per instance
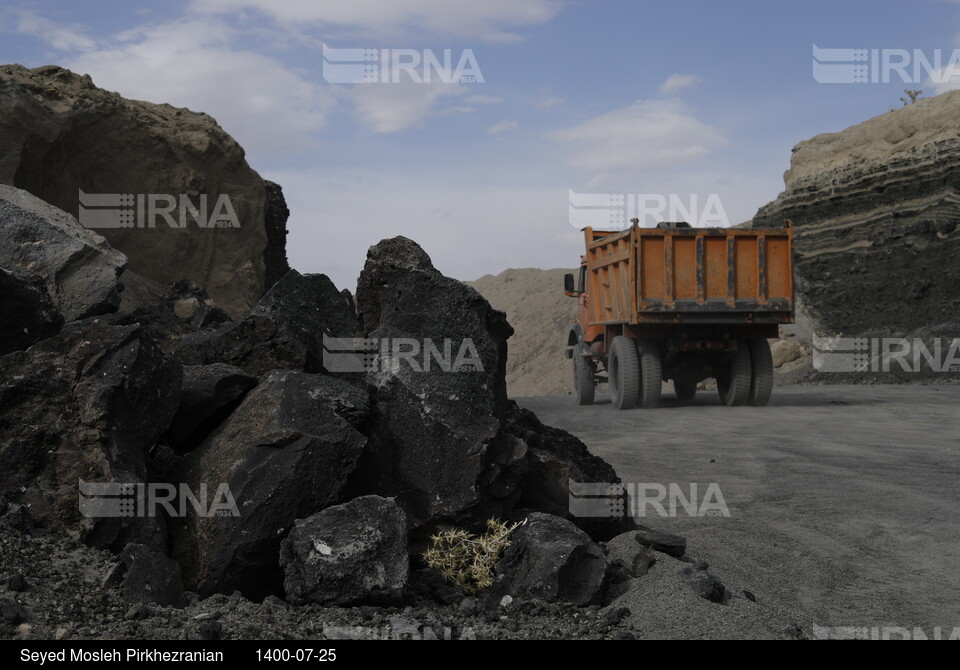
(682, 98)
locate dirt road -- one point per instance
(844, 500)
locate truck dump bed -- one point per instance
(689, 275)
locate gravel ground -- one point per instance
(842, 499)
(56, 588)
(841, 502)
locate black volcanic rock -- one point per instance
(253, 417)
(275, 224)
(666, 543)
(285, 453)
(28, 313)
(550, 559)
(440, 446)
(284, 330)
(150, 577)
(347, 554)
(555, 458)
(86, 404)
(209, 394)
(77, 266)
(447, 441)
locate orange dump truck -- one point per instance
(682, 304)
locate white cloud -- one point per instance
(265, 105)
(66, 38)
(945, 79)
(647, 135)
(477, 99)
(676, 82)
(456, 109)
(548, 101)
(488, 20)
(502, 126)
(196, 62)
(389, 108)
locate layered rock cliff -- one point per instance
(877, 215)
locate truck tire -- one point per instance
(583, 373)
(685, 390)
(734, 386)
(623, 373)
(651, 374)
(761, 372)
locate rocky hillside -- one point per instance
(877, 215)
(260, 406)
(237, 480)
(541, 314)
(60, 134)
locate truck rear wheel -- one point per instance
(651, 373)
(623, 373)
(734, 386)
(583, 373)
(685, 390)
(761, 376)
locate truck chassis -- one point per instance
(682, 305)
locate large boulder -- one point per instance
(550, 559)
(442, 449)
(86, 404)
(447, 442)
(347, 554)
(285, 453)
(77, 266)
(60, 134)
(29, 314)
(284, 330)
